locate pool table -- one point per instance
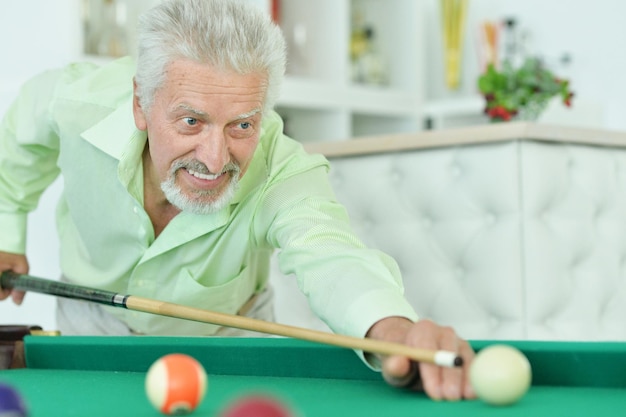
(104, 376)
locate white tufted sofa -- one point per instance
(507, 231)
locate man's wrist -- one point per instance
(391, 329)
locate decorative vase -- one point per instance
(531, 111)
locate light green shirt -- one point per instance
(78, 121)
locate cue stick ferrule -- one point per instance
(120, 300)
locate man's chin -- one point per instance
(198, 201)
(198, 206)
(203, 204)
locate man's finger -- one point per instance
(18, 297)
(401, 372)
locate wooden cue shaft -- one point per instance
(11, 280)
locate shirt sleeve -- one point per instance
(29, 148)
(348, 285)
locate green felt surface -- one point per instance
(75, 376)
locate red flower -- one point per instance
(500, 112)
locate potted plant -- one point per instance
(521, 93)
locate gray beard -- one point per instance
(206, 202)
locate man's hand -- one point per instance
(18, 264)
(439, 383)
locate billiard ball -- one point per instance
(257, 405)
(500, 374)
(11, 403)
(175, 384)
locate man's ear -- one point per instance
(138, 112)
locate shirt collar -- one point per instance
(110, 134)
(117, 136)
(255, 175)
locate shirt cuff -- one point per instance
(13, 235)
(373, 307)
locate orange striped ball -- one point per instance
(176, 384)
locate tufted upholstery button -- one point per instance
(396, 176)
(598, 212)
(460, 272)
(494, 322)
(575, 262)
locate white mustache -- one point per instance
(199, 170)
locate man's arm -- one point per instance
(349, 286)
(28, 157)
(28, 153)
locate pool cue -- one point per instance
(11, 280)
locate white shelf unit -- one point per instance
(455, 112)
(319, 100)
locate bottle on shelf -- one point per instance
(368, 66)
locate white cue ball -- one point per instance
(500, 375)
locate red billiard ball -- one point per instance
(257, 405)
(176, 384)
(11, 403)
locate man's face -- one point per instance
(203, 129)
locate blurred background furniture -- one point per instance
(504, 231)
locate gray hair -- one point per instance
(227, 34)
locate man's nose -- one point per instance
(212, 150)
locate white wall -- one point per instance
(29, 43)
(592, 31)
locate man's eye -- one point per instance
(191, 121)
(245, 125)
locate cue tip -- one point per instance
(447, 359)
